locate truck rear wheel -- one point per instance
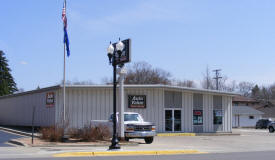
(149, 140)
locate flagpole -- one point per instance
(64, 87)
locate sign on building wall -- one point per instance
(136, 101)
(197, 117)
(50, 99)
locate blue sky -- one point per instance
(180, 36)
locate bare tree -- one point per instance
(184, 83)
(256, 92)
(144, 73)
(20, 90)
(245, 88)
(272, 90)
(107, 80)
(223, 83)
(232, 86)
(88, 82)
(77, 82)
(266, 93)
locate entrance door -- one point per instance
(172, 120)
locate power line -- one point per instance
(217, 77)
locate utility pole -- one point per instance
(217, 77)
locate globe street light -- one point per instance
(114, 55)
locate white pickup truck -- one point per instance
(134, 126)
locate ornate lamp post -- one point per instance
(114, 55)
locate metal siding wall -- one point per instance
(230, 114)
(86, 116)
(17, 110)
(93, 104)
(98, 106)
(225, 113)
(89, 109)
(172, 99)
(208, 113)
(85, 104)
(227, 119)
(154, 105)
(198, 100)
(161, 117)
(57, 106)
(80, 108)
(187, 119)
(74, 108)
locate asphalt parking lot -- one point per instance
(5, 137)
(248, 140)
(253, 132)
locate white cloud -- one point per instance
(144, 12)
(23, 62)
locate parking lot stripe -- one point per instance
(176, 134)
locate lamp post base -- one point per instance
(114, 144)
(114, 147)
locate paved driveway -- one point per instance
(5, 137)
(250, 140)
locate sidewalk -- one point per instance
(254, 140)
(18, 131)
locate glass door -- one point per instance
(172, 120)
(177, 120)
(168, 120)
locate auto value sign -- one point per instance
(50, 99)
(137, 101)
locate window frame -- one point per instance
(251, 117)
(220, 117)
(196, 117)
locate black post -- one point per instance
(114, 144)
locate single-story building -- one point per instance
(245, 116)
(170, 108)
(244, 101)
(268, 108)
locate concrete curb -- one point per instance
(79, 145)
(18, 132)
(16, 142)
(218, 134)
(196, 134)
(126, 153)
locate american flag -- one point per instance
(64, 18)
(66, 38)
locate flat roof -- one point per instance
(126, 86)
(245, 110)
(155, 86)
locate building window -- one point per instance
(251, 117)
(217, 110)
(198, 117)
(218, 114)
